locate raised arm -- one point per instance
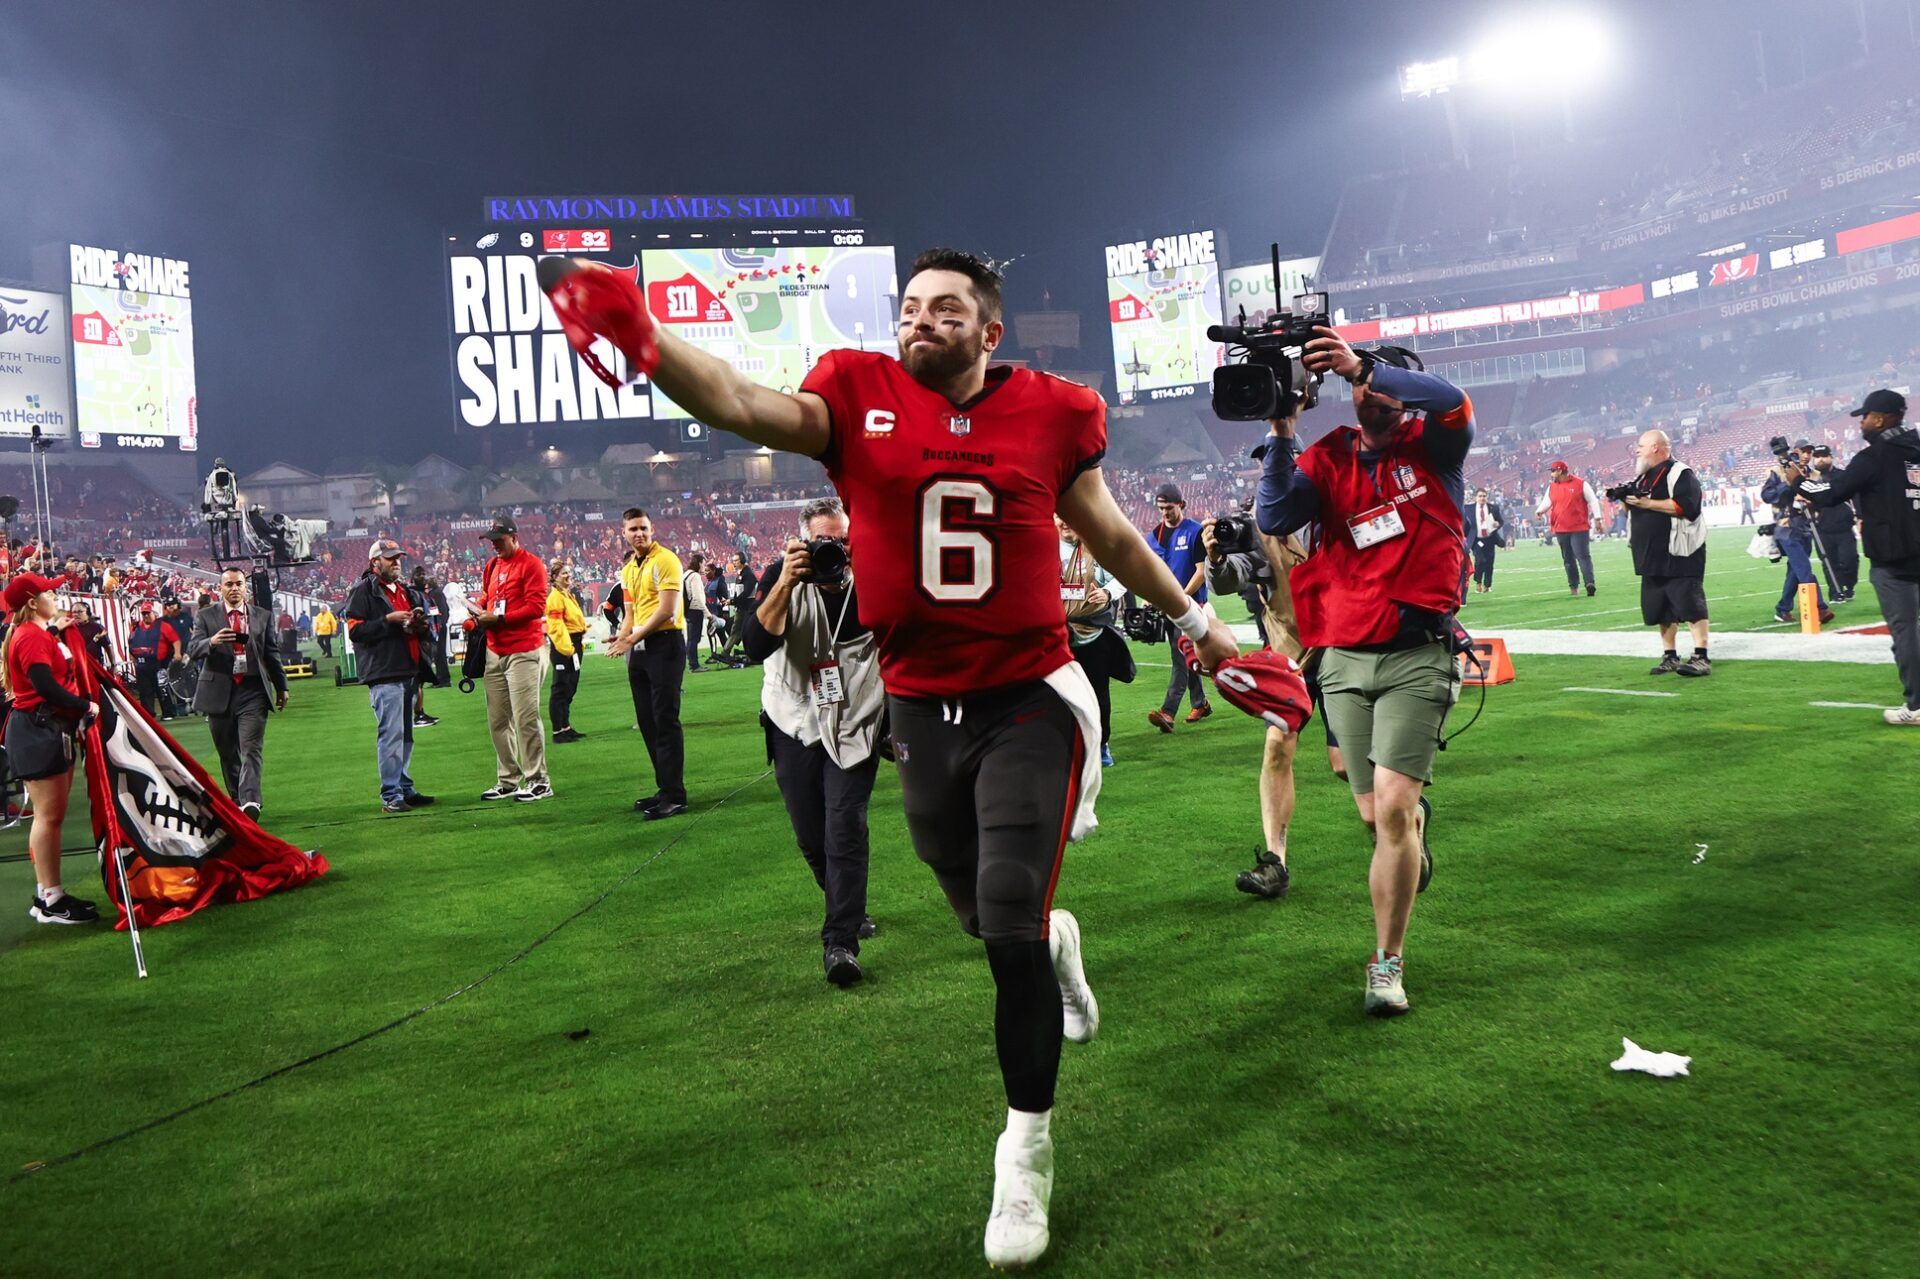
(722, 396)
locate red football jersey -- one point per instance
(953, 539)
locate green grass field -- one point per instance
(730, 1113)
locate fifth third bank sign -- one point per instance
(33, 364)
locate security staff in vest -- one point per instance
(1883, 482)
(821, 703)
(1832, 527)
(240, 677)
(1176, 540)
(1266, 570)
(1377, 594)
(1573, 515)
(1793, 529)
(1668, 538)
(653, 640)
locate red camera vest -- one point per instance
(1346, 595)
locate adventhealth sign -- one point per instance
(664, 208)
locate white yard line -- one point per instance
(1618, 692)
(1849, 706)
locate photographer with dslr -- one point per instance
(1883, 480)
(241, 679)
(822, 704)
(1668, 539)
(1378, 594)
(1242, 560)
(1176, 540)
(1793, 530)
(1832, 527)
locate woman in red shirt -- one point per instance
(39, 676)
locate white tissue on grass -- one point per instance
(1664, 1065)
(1701, 855)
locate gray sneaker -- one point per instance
(1668, 665)
(1267, 879)
(1694, 666)
(1386, 997)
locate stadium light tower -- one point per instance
(1524, 59)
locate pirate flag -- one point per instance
(184, 842)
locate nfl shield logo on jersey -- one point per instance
(959, 424)
(1403, 476)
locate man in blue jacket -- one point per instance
(1176, 540)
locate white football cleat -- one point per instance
(1022, 1186)
(1081, 1013)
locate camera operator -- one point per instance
(1378, 594)
(1243, 560)
(1883, 480)
(1086, 592)
(387, 626)
(1176, 540)
(1668, 539)
(1832, 527)
(1792, 529)
(822, 705)
(241, 678)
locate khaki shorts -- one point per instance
(1388, 709)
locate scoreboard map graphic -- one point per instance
(771, 311)
(1161, 296)
(133, 369)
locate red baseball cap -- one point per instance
(1265, 684)
(24, 586)
(1556, 465)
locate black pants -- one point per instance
(827, 805)
(655, 671)
(989, 784)
(1092, 659)
(1841, 551)
(696, 631)
(1483, 553)
(240, 736)
(146, 686)
(1576, 553)
(566, 681)
(326, 644)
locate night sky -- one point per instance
(309, 159)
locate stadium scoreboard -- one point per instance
(768, 302)
(132, 325)
(1162, 294)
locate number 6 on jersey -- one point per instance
(959, 562)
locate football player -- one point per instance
(952, 471)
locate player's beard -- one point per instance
(937, 365)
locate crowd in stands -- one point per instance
(1556, 196)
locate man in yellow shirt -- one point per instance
(653, 639)
(566, 632)
(325, 627)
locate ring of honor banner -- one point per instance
(133, 349)
(1161, 296)
(34, 389)
(184, 843)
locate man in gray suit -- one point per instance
(241, 676)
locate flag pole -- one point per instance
(126, 908)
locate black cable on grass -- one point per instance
(39, 1166)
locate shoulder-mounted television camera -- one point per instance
(1264, 377)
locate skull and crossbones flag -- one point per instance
(185, 843)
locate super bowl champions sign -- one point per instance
(34, 376)
(511, 364)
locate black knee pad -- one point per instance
(1012, 902)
